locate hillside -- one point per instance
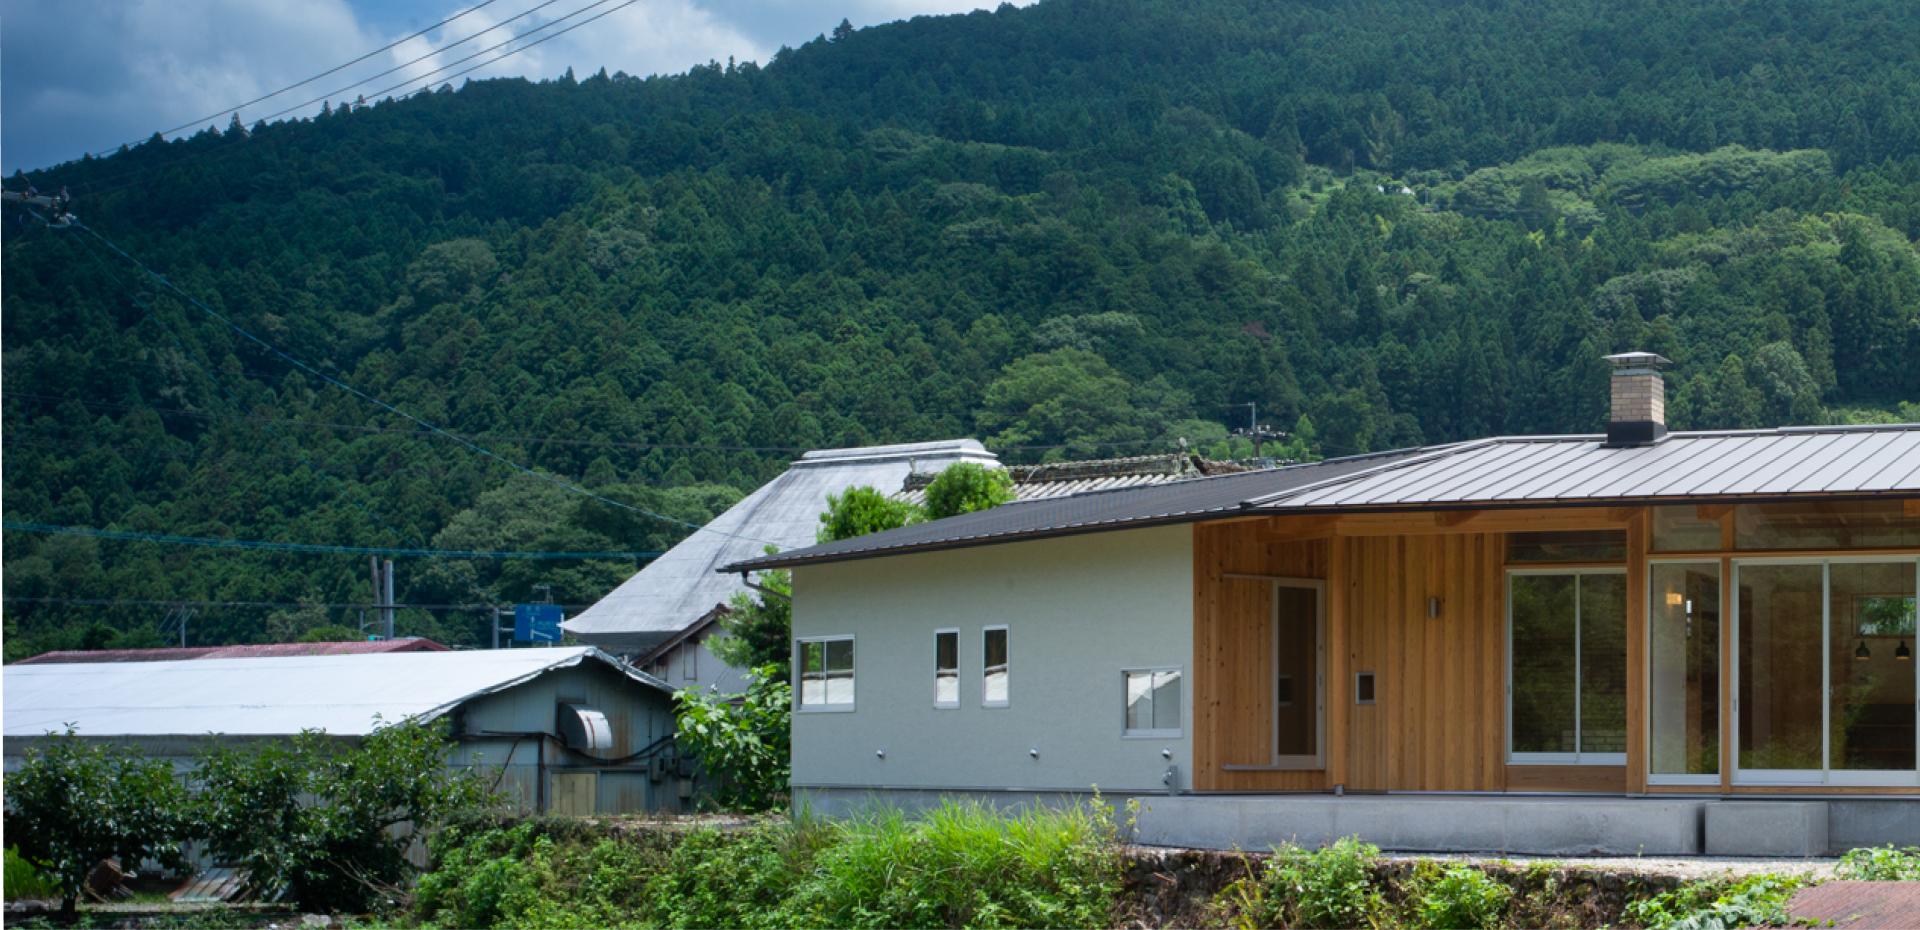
(1085, 227)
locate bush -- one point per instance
(965, 865)
(862, 510)
(1464, 898)
(1329, 887)
(965, 487)
(736, 879)
(315, 817)
(1880, 864)
(746, 748)
(1760, 901)
(72, 804)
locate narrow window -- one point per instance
(1153, 702)
(946, 668)
(994, 651)
(826, 673)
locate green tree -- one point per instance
(316, 816)
(745, 745)
(965, 487)
(861, 510)
(73, 803)
(1066, 397)
(759, 626)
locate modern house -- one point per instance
(571, 731)
(1631, 642)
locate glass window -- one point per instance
(1570, 546)
(1871, 719)
(1685, 528)
(1153, 702)
(1684, 626)
(1779, 667)
(946, 668)
(1567, 667)
(826, 673)
(1825, 525)
(994, 651)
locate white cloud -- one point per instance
(87, 76)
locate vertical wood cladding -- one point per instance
(1436, 723)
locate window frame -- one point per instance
(1152, 732)
(1557, 758)
(1006, 669)
(799, 687)
(938, 672)
(1725, 633)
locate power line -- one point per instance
(392, 45)
(135, 602)
(126, 536)
(329, 95)
(389, 407)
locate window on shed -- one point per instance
(994, 651)
(826, 673)
(946, 668)
(1153, 702)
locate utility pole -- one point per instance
(389, 604)
(1253, 423)
(382, 595)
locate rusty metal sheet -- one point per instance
(1859, 904)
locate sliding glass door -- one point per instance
(1567, 668)
(1824, 676)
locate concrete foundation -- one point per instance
(1856, 822)
(1767, 828)
(1525, 826)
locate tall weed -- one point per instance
(1463, 898)
(1332, 887)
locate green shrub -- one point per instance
(964, 865)
(1464, 898)
(1880, 864)
(965, 487)
(746, 747)
(1329, 887)
(24, 880)
(1708, 904)
(739, 878)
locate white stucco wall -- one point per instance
(1079, 609)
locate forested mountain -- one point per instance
(1084, 227)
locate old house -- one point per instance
(1642, 641)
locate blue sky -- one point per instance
(86, 75)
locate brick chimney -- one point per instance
(1639, 400)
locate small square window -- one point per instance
(946, 668)
(1153, 702)
(994, 650)
(1363, 688)
(826, 673)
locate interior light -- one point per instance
(1675, 598)
(1862, 653)
(1903, 653)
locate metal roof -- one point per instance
(678, 588)
(1515, 471)
(341, 694)
(353, 647)
(1173, 502)
(1558, 470)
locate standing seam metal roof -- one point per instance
(1516, 471)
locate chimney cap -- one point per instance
(1630, 361)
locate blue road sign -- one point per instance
(537, 623)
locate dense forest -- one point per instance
(1081, 228)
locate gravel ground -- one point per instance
(1683, 866)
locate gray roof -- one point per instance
(1556, 470)
(272, 696)
(1061, 479)
(1517, 471)
(1173, 502)
(675, 590)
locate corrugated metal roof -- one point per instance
(1172, 502)
(270, 696)
(678, 588)
(1061, 479)
(1516, 471)
(354, 647)
(1799, 462)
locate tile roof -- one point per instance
(1060, 479)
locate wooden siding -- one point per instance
(1232, 718)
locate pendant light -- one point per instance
(1861, 653)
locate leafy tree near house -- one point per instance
(746, 746)
(862, 510)
(74, 803)
(758, 625)
(965, 487)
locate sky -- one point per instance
(81, 76)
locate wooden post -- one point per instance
(1337, 696)
(1637, 653)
